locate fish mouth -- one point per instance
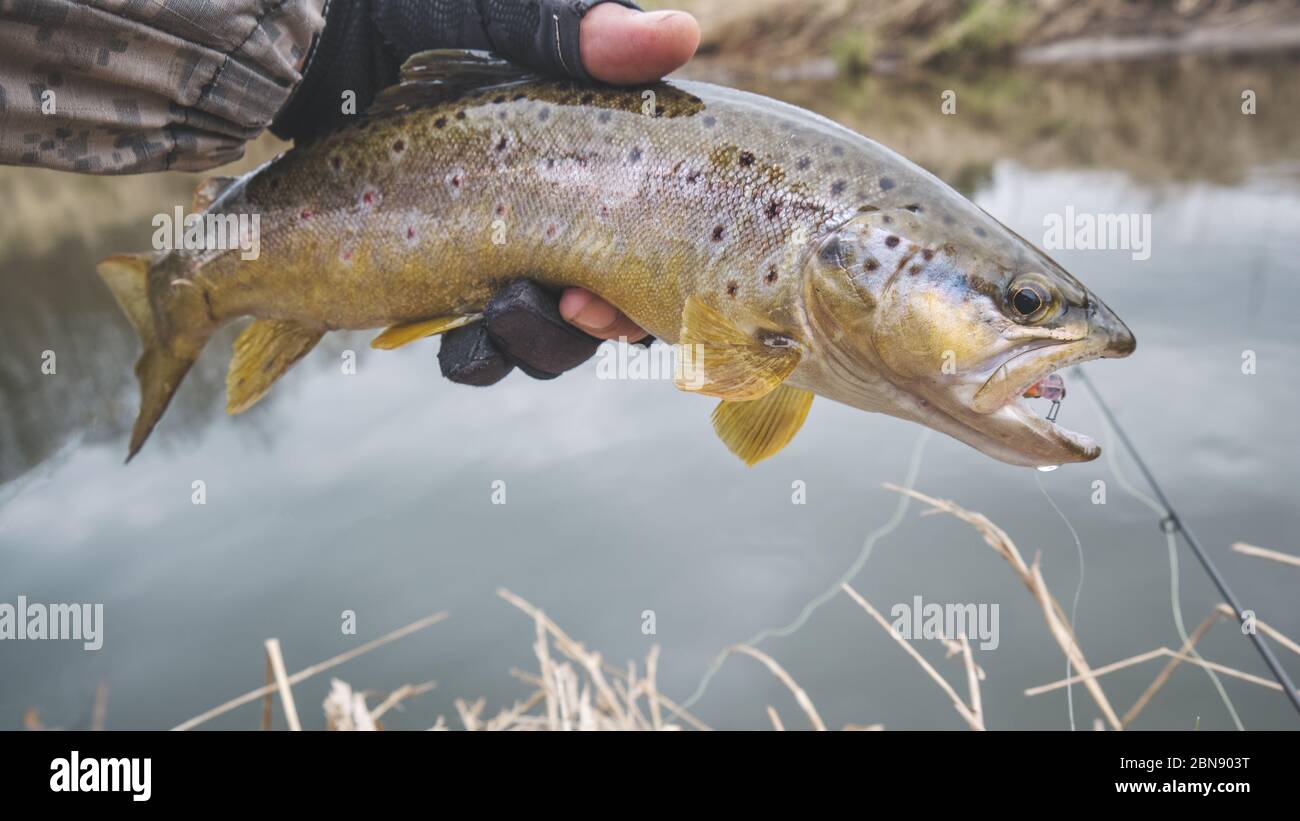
(999, 420)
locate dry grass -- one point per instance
(574, 688)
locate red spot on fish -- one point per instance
(305, 213)
(501, 209)
(410, 232)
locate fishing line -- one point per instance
(1175, 596)
(1078, 590)
(1172, 525)
(904, 500)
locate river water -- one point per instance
(372, 491)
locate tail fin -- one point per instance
(159, 369)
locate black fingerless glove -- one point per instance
(521, 326)
(361, 49)
(365, 42)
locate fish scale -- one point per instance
(761, 233)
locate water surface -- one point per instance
(372, 491)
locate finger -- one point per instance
(597, 317)
(619, 45)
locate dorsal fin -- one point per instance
(438, 75)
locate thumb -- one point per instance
(620, 45)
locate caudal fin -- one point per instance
(160, 369)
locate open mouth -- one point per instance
(1003, 403)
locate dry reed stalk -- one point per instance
(399, 695)
(1057, 622)
(1265, 553)
(591, 700)
(974, 720)
(775, 719)
(1168, 670)
(269, 699)
(800, 697)
(99, 712)
(1220, 612)
(303, 675)
(282, 684)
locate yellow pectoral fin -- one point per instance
(759, 428)
(263, 352)
(717, 358)
(408, 332)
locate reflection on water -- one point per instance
(371, 492)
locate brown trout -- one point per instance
(792, 256)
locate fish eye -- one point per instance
(1030, 300)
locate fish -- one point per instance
(784, 255)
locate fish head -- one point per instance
(946, 317)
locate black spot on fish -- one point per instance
(717, 233)
(460, 115)
(502, 143)
(746, 158)
(603, 116)
(886, 183)
(773, 209)
(634, 156)
(771, 275)
(732, 288)
(588, 98)
(949, 219)
(543, 114)
(500, 98)
(915, 209)
(886, 219)
(838, 187)
(870, 264)
(837, 150)
(803, 163)
(891, 241)
(709, 120)
(336, 163)
(867, 209)
(440, 122)
(928, 254)
(693, 176)
(399, 146)
(518, 97)
(501, 209)
(980, 232)
(914, 270)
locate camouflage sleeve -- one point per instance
(123, 86)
